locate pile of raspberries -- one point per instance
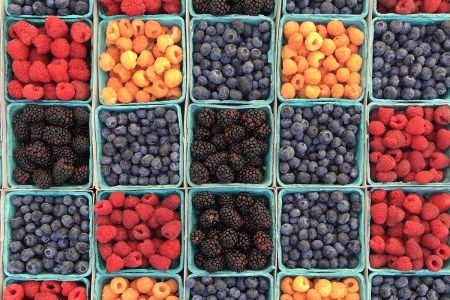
(138, 232)
(409, 231)
(49, 62)
(408, 145)
(141, 7)
(406, 7)
(45, 290)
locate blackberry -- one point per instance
(207, 116)
(33, 113)
(197, 237)
(39, 154)
(261, 216)
(226, 200)
(209, 218)
(254, 117)
(201, 6)
(62, 171)
(224, 174)
(81, 144)
(244, 203)
(21, 176)
(243, 242)
(261, 200)
(199, 260)
(249, 225)
(201, 149)
(214, 234)
(262, 242)
(268, 7)
(250, 174)
(82, 159)
(218, 7)
(235, 133)
(252, 7)
(227, 117)
(42, 178)
(210, 248)
(215, 160)
(228, 238)
(255, 161)
(236, 161)
(56, 136)
(215, 264)
(20, 129)
(235, 148)
(81, 116)
(252, 147)
(21, 159)
(59, 115)
(203, 201)
(257, 260)
(236, 260)
(219, 141)
(199, 173)
(36, 130)
(202, 133)
(80, 175)
(236, 8)
(263, 132)
(230, 217)
(63, 151)
(80, 130)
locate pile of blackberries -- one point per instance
(48, 7)
(319, 144)
(308, 7)
(232, 232)
(411, 62)
(320, 230)
(229, 145)
(230, 61)
(53, 145)
(241, 7)
(49, 234)
(140, 147)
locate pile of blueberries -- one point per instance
(308, 7)
(411, 62)
(141, 147)
(49, 234)
(240, 288)
(231, 61)
(48, 7)
(410, 287)
(320, 230)
(319, 144)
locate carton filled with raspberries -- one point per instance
(142, 60)
(229, 145)
(231, 231)
(122, 8)
(20, 288)
(408, 144)
(410, 7)
(139, 231)
(48, 59)
(202, 8)
(408, 229)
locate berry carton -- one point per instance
(119, 14)
(87, 15)
(362, 14)
(192, 12)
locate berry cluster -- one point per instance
(49, 234)
(141, 7)
(49, 62)
(320, 288)
(229, 146)
(138, 232)
(341, 7)
(45, 290)
(410, 287)
(320, 230)
(409, 230)
(409, 145)
(225, 7)
(143, 60)
(141, 147)
(140, 288)
(321, 61)
(410, 62)
(53, 146)
(230, 61)
(318, 144)
(18, 8)
(232, 232)
(406, 7)
(228, 287)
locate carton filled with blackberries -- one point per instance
(48, 234)
(229, 145)
(231, 231)
(139, 146)
(42, 9)
(409, 59)
(232, 60)
(49, 146)
(332, 8)
(232, 8)
(320, 144)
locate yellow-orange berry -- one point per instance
(298, 81)
(315, 58)
(353, 48)
(288, 52)
(174, 54)
(356, 35)
(325, 91)
(354, 78)
(313, 294)
(286, 285)
(323, 286)
(124, 44)
(322, 30)
(132, 88)
(286, 297)
(152, 29)
(354, 63)
(128, 59)
(352, 284)
(114, 52)
(121, 72)
(159, 89)
(163, 41)
(173, 284)
(175, 34)
(302, 51)
(144, 284)
(341, 40)
(174, 93)
(354, 296)
(295, 41)
(299, 296)
(130, 294)
(151, 74)
(106, 62)
(138, 27)
(140, 79)
(140, 43)
(125, 28)
(109, 96)
(289, 67)
(145, 59)
(342, 54)
(161, 65)
(330, 64)
(312, 77)
(312, 91)
(142, 96)
(108, 294)
(287, 91)
(161, 290)
(328, 47)
(301, 284)
(329, 79)
(313, 41)
(337, 90)
(114, 83)
(302, 64)
(352, 91)
(306, 28)
(290, 28)
(286, 78)
(339, 290)
(342, 74)
(335, 27)
(124, 95)
(112, 30)
(173, 78)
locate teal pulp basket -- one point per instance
(164, 20)
(88, 15)
(100, 142)
(359, 157)
(376, 13)
(361, 219)
(414, 21)
(402, 107)
(270, 56)
(12, 142)
(9, 213)
(8, 60)
(424, 191)
(102, 14)
(192, 226)
(363, 14)
(318, 19)
(100, 263)
(192, 12)
(192, 122)
(82, 281)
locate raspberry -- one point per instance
(376, 144)
(385, 163)
(376, 229)
(415, 126)
(79, 70)
(395, 231)
(374, 156)
(17, 50)
(412, 228)
(444, 8)
(102, 220)
(82, 90)
(430, 149)
(30, 288)
(160, 262)
(45, 296)
(164, 215)
(417, 162)
(133, 7)
(152, 7)
(38, 72)
(122, 249)
(171, 230)
(405, 7)
(42, 42)
(106, 233)
(133, 260)
(80, 32)
(117, 199)
(13, 291)
(434, 263)
(171, 202)
(170, 249)
(439, 160)
(394, 216)
(116, 217)
(424, 177)
(442, 115)
(60, 48)
(33, 92)
(394, 139)
(103, 207)
(49, 91)
(65, 91)
(21, 70)
(413, 250)
(379, 213)
(55, 27)
(439, 229)
(429, 211)
(25, 31)
(150, 199)
(77, 50)
(78, 293)
(394, 247)
(445, 218)
(443, 139)
(378, 196)
(105, 250)
(15, 89)
(385, 114)
(377, 260)
(122, 234)
(58, 70)
(387, 176)
(430, 6)
(443, 251)
(152, 222)
(388, 3)
(147, 248)
(130, 219)
(144, 211)
(377, 244)
(403, 168)
(172, 8)
(114, 263)
(429, 241)
(50, 286)
(141, 232)
(441, 200)
(131, 202)
(419, 143)
(403, 263)
(112, 8)
(398, 122)
(414, 111)
(67, 287)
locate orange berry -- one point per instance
(306, 28)
(173, 78)
(322, 30)
(290, 28)
(353, 48)
(299, 296)
(145, 59)
(352, 91)
(352, 284)
(339, 290)
(140, 79)
(163, 41)
(138, 27)
(342, 54)
(301, 93)
(312, 76)
(140, 43)
(173, 284)
(337, 90)
(175, 34)
(174, 54)
(288, 52)
(335, 27)
(106, 62)
(287, 91)
(329, 79)
(161, 65)
(119, 285)
(152, 29)
(313, 294)
(124, 95)
(114, 83)
(161, 290)
(142, 96)
(286, 78)
(330, 64)
(108, 294)
(125, 28)
(130, 294)
(132, 88)
(114, 52)
(354, 296)
(356, 35)
(298, 81)
(151, 74)
(159, 89)
(328, 47)
(174, 93)
(341, 40)
(128, 59)
(109, 96)
(312, 91)
(323, 286)
(354, 78)
(286, 297)
(295, 40)
(313, 41)
(342, 74)
(315, 59)
(121, 72)
(325, 91)
(302, 64)
(302, 51)
(289, 67)
(144, 284)
(112, 30)
(109, 43)
(124, 44)
(156, 53)
(354, 63)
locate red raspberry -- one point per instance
(144, 211)
(171, 230)
(117, 199)
(170, 249)
(417, 161)
(42, 43)
(377, 260)
(79, 70)
(398, 121)
(387, 3)
(443, 251)
(444, 8)
(403, 263)
(443, 139)
(378, 196)
(415, 126)
(385, 114)
(441, 200)
(131, 202)
(429, 241)
(30, 288)
(130, 218)
(439, 160)
(105, 250)
(77, 50)
(133, 260)
(34, 56)
(429, 211)
(442, 115)
(417, 264)
(412, 228)
(153, 223)
(112, 8)
(377, 244)
(106, 233)
(114, 263)
(385, 163)
(403, 168)
(13, 291)
(116, 217)
(45, 296)
(387, 176)
(379, 213)
(82, 90)
(424, 177)
(410, 177)
(164, 215)
(58, 70)
(102, 220)
(396, 154)
(439, 229)
(21, 70)
(60, 48)
(15, 89)
(33, 92)
(171, 202)
(428, 128)
(103, 207)
(376, 128)
(413, 250)
(394, 216)
(152, 7)
(394, 247)
(408, 139)
(121, 248)
(65, 91)
(17, 50)
(172, 8)
(141, 232)
(376, 144)
(122, 234)
(55, 27)
(430, 6)
(78, 293)
(434, 263)
(49, 91)
(445, 218)
(376, 229)
(50, 286)
(395, 231)
(38, 72)
(67, 287)
(25, 31)
(414, 111)
(430, 149)
(160, 262)
(80, 32)
(375, 156)
(419, 143)
(405, 7)
(157, 242)
(394, 139)
(12, 34)
(147, 248)
(133, 7)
